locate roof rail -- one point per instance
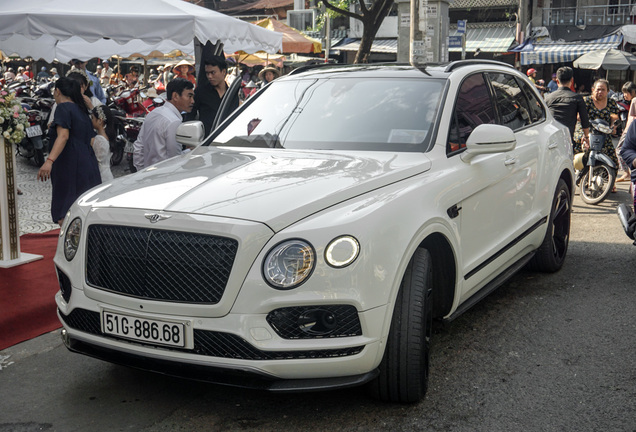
(472, 62)
(308, 67)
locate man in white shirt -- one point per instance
(157, 139)
(104, 77)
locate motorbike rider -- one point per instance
(629, 92)
(628, 153)
(43, 75)
(9, 75)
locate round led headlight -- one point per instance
(289, 264)
(342, 251)
(72, 238)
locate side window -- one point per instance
(472, 108)
(537, 112)
(511, 101)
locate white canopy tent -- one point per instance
(49, 49)
(65, 29)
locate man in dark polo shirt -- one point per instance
(564, 104)
(209, 92)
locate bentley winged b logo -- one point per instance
(156, 217)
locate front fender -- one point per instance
(606, 160)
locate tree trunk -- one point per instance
(370, 25)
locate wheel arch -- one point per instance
(444, 273)
(568, 178)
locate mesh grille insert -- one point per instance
(159, 265)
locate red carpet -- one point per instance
(27, 303)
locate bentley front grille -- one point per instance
(159, 265)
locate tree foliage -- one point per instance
(371, 14)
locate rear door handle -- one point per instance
(510, 161)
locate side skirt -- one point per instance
(490, 287)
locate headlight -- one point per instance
(72, 238)
(342, 251)
(289, 264)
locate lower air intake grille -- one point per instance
(213, 344)
(311, 322)
(159, 265)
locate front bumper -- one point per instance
(235, 377)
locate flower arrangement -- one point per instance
(13, 118)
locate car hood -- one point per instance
(272, 186)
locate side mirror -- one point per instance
(487, 139)
(191, 133)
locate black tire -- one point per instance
(404, 368)
(117, 155)
(38, 157)
(131, 165)
(597, 193)
(551, 254)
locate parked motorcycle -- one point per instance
(597, 174)
(32, 146)
(42, 104)
(20, 88)
(132, 126)
(118, 147)
(151, 103)
(128, 101)
(45, 90)
(628, 220)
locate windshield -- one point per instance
(383, 114)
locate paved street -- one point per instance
(543, 353)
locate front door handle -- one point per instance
(510, 161)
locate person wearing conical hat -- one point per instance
(185, 69)
(267, 75)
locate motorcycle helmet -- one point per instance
(530, 71)
(578, 161)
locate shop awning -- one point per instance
(487, 39)
(387, 46)
(560, 52)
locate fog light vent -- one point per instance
(309, 322)
(65, 284)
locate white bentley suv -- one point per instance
(311, 239)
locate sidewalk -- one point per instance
(34, 205)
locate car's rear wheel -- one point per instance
(404, 368)
(551, 254)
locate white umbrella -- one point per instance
(608, 59)
(37, 28)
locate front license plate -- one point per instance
(34, 131)
(143, 329)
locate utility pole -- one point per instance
(428, 31)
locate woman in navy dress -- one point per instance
(71, 165)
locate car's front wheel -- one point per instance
(404, 368)
(551, 254)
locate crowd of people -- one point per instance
(81, 125)
(576, 111)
